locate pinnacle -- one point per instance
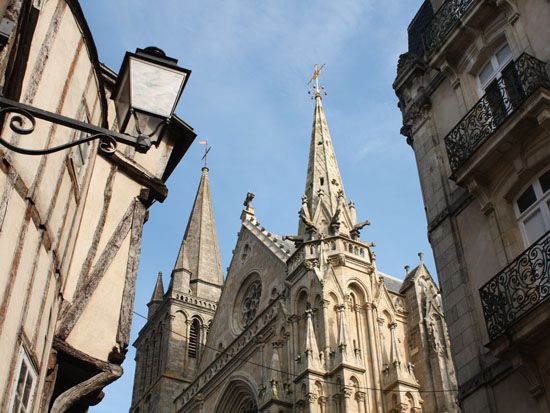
(158, 292)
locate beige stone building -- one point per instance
(302, 323)
(474, 90)
(71, 221)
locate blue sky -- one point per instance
(251, 61)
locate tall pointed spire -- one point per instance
(324, 206)
(198, 267)
(323, 173)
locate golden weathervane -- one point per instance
(315, 78)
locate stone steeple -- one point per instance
(157, 296)
(324, 208)
(198, 268)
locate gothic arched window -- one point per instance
(194, 335)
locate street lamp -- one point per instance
(148, 88)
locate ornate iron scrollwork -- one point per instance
(24, 123)
(518, 288)
(22, 120)
(444, 21)
(519, 80)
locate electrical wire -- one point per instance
(296, 375)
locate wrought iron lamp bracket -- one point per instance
(23, 122)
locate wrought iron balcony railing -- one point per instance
(517, 82)
(444, 22)
(518, 288)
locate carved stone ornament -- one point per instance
(406, 61)
(311, 264)
(311, 398)
(347, 391)
(337, 260)
(399, 304)
(417, 110)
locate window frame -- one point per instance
(78, 172)
(23, 357)
(497, 73)
(542, 203)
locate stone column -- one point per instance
(336, 403)
(374, 357)
(311, 402)
(347, 392)
(360, 397)
(342, 333)
(326, 344)
(323, 404)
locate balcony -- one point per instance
(519, 80)
(444, 22)
(518, 289)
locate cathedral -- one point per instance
(301, 323)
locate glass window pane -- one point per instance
(504, 55)
(545, 181)
(28, 386)
(154, 89)
(16, 405)
(534, 226)
(526, 199)
(22, 376)
(486, 74)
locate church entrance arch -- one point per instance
(238, 397)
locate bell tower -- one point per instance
(170, 345)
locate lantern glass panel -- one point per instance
(155, 89)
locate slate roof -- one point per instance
(392, 283)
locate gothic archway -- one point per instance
(238, 397)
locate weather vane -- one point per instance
(206, 150)
(314, 81)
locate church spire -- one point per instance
(198, 265)
(324, 205)
(323, 175)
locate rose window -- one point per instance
(251, 302)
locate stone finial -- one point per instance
(248, 213)
(248, 200)
(421, 257)
(407, 269)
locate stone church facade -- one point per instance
(302, 323)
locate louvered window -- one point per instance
(194, 332)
